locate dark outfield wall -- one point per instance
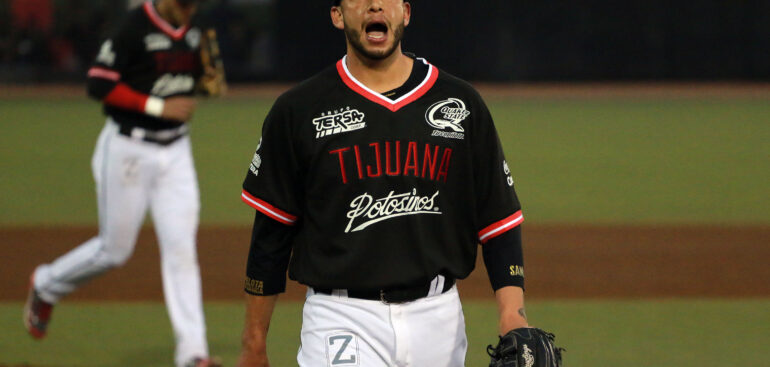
(492, 40)
(554, 40)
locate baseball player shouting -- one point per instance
(374, 182)
(144, 75)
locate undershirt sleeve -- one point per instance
(504, 259)
(269, 255)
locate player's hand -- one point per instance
(179, 108)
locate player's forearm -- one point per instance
(510, 305)
(119, 94)
(259, 311)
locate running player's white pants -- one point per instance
(132, 176)
(338, 331)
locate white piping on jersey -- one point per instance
(380, 96)
(266, 209)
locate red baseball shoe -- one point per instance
(37, 313)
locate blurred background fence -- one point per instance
(492, 40)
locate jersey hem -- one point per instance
(497, 228)
(267, 209)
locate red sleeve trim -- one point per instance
(124, 97)
(497, 228)
(268, 209)
(97, 72)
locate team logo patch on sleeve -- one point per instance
(338, 121)
(507, 172)
(446, 116)
(256, 161)
(106, 54)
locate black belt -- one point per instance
(398, 295)
(162, 137)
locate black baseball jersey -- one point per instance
(383, 193)
(152, 57)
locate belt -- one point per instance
(397, 295)
(162, 137)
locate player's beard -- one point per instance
(354, 37)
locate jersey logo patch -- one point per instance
(446, 116)
(342, 349)
(157, 41)
(106, 55)
(193, 37)
(338, 121)
(169, 84)
(256, 161)
(507, 172)
(365, 210)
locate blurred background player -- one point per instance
(144, 74)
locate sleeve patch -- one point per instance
(254, 286)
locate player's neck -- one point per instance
(380, 75)
(167, 11)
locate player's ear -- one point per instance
(407, 12)
(337, 18)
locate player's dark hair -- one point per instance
(337, 2)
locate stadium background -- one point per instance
(638, 133)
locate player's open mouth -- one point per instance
(376, 32)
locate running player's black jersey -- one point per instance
(152, 57)
(383, 193)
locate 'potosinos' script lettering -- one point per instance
(366, 210)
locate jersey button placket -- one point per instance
(401, 330)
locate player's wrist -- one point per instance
(154, 106)
(510, 322)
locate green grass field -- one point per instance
(589, 161)
(693, 333)
(574, 161)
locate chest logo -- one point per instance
(338, 121)
(157, 41)
(193, 37)
(366, 210)
(445, 116)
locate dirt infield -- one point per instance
(561, 262)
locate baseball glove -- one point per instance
(525, 347)
(212, 83)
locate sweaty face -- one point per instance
(375, 27)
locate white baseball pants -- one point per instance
(338, 331)
(131, 176)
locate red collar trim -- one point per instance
(393, 105)
(162, 24)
